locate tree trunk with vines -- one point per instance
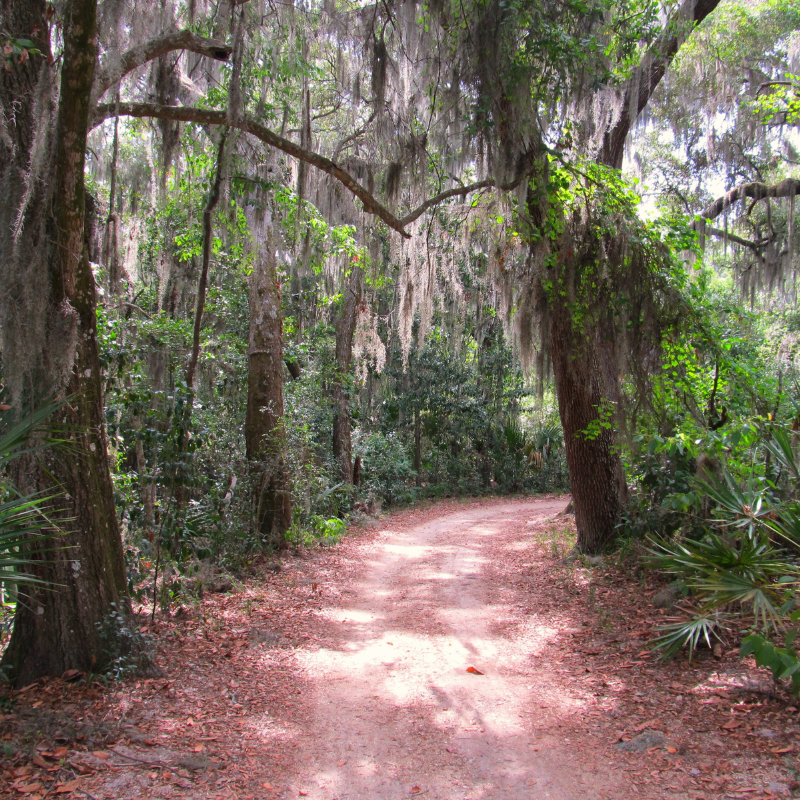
(50, 344)
(594, 465)
(264, 432)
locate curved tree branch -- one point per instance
(249, 125)
(734, 239)
(372, 206)
(461, 191)
(757, 191)
(651, 70)
(137, 56)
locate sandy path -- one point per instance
(397, 714)
(343, 675)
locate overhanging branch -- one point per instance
(210, 117)
(757, 191)
(459, 191)
(652, 69)
(734, 239)
(154, 48)
(372, 206)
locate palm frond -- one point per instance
(688, 633)
(16, 441)
(745, 506)
(728, 588)
(25, 518)
(780, 447)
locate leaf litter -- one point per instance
(234, 714)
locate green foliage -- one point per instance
(781, 105)
(127, 651)
(386, 467)
(701, 628)
(24, 517)
(318, 532)
(782, 661)
(18, 51)
(739, 561)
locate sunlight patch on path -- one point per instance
(396, 706)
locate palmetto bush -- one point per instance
(745, 564)
(23, 517)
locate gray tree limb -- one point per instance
(459, 191)
(734, 239)
(652, 69)
(247, 124)
(154, 48)
(756, 191)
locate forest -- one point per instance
(274, 271)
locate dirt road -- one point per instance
(399, 711)
(343, 674)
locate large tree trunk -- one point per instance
(594, 465)
(50, 344)
(264, 433)
(345, 328)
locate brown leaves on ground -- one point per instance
(228, 718)
(723, 731)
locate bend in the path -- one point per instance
(397, 712)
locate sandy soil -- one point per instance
(397, 711)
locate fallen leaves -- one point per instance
(29, 788)
(196, 698)
(733, 724)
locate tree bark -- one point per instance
(155, 48)
(110, 240)
(345, 328)
(594, 465)
(208, 241)
(58, 629)
(264, 433)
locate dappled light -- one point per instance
(399, 399)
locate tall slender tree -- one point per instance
(265, 439)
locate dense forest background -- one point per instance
(315, 261)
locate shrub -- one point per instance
(744, 561)
(386, 467)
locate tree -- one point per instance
(50, 338)
(584, 359)
(345, 327)
(599, 78)
(264, 434)
(49, 328)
